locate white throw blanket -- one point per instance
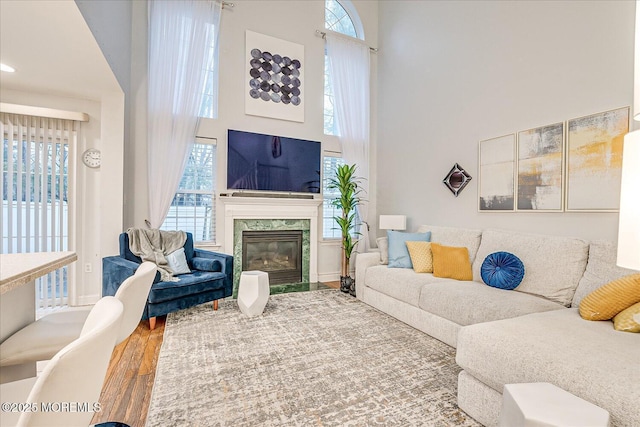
(153, 245)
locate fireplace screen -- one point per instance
(279, 253)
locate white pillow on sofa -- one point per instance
(383, 246)
(178, 262)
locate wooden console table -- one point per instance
(18, 273)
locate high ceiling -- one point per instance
(52, 49)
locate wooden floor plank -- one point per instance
(119, 392)
(149, 360)
(123, 379)
(136, 411)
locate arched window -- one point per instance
(337, 19)
(339, 16)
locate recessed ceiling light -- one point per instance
(6, 68)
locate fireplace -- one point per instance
(278, 252)
(265, 214)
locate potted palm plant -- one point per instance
(346, 183)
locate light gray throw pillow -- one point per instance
(383, 246)
(178, 262)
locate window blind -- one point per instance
(193, 208)
(35, 194)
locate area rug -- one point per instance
(313, 358)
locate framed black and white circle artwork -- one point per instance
(275, 78)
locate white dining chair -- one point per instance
(43, 338)
(67, 391)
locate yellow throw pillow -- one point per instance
(608, 300)
(421, 257)
(451, 262)
(624, 320)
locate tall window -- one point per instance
(336, 19)
(193, 207)
(330, 229)
(182, 37)
(35, 194)
(209, 106)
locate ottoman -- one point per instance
(544, 404)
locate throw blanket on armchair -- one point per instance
(153, 245)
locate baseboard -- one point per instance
(87, 300)
(333, 276)
(328, 277)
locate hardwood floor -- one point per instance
(127, 388)
(126, 392)
(334, 285)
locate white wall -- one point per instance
(295, 21)
(102, 17)
(110, 23)
(454, 73)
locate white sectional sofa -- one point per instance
(531, 334)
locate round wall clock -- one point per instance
(92, 158)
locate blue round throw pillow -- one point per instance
(502, 270)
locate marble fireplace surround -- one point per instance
(264, 213)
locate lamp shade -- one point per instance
(629, 219)
(392, 222)
(636, 72)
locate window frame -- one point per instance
(350, 8)
(326, 201)
(213, 193)
(39, 193)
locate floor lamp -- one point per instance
(629, 217)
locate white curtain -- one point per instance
(349, 70)
(181, 33)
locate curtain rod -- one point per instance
(228, 4)
(323, 34)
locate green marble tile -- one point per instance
(240, 225)
(297, 287)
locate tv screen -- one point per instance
(262, 162)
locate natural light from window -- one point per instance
(34, 179)
(330, 229)
(336, 19)
(193, 207)
(209, 106)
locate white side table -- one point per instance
(544, 404)
(253, 292)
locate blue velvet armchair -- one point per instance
(211, 278)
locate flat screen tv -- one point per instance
(262, 162)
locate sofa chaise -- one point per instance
(533, 333)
